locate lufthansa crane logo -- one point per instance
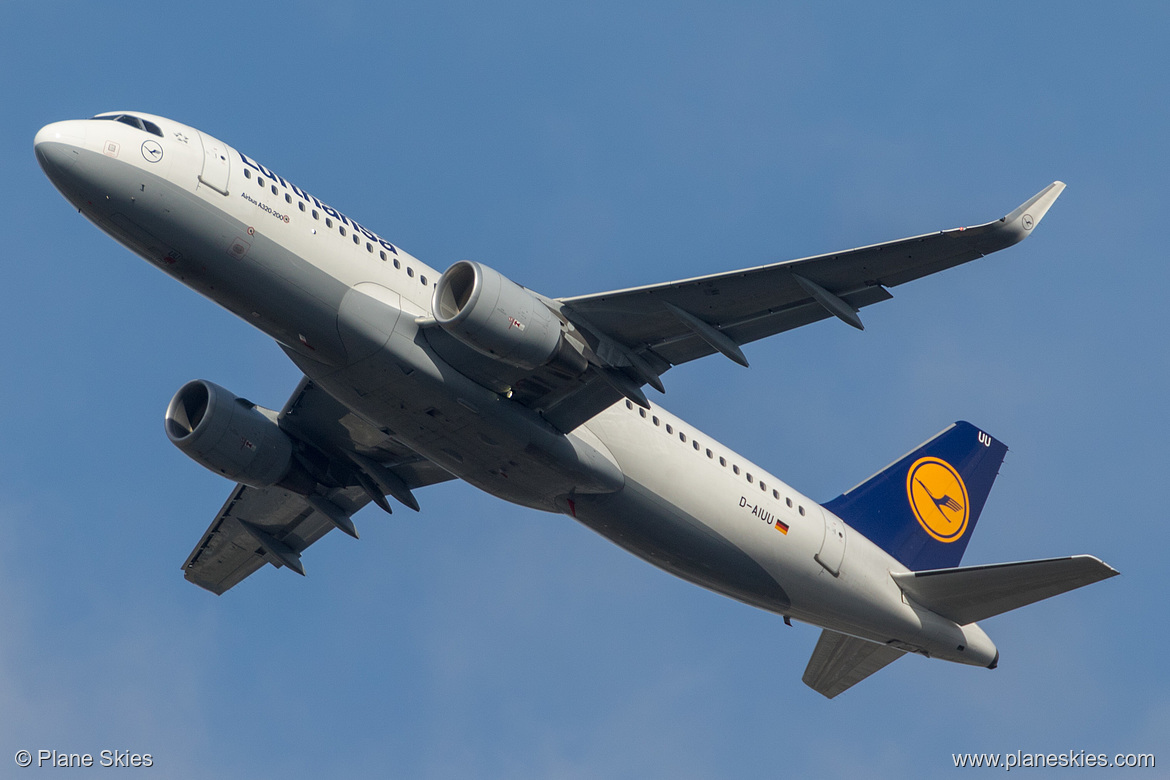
(151, 151)
(938, 498)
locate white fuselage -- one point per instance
(346, 306)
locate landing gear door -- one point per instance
(216, 164)
(833, 545)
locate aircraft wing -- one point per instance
(273, 525)
(628, 338)
(751, 303)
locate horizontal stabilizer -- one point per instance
(839, 662)
(972, 593)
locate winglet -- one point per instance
(1021, 221)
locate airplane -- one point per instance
(412, 378)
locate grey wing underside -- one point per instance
(667, 324)
(839, 662)
(273, 525)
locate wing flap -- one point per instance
(225, 555)
(256, 526)
(752, 303)
(839, 662)
(972, 593)
(228, 552)
(685, 347)
(631, 337)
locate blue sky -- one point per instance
(580, 149)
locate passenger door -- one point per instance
(833, 544)
(216, 164)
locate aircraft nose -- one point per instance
(57, 145)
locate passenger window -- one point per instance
(669, 429)
(396, 263)
(801, 510)
(762, 485)
(695, 444)
(410, 272)
(629, 406)
(710, 454)
(274, 192)
(287, 198)
(749, 479)
(369, 247)
(423, 279)
(328, 222)
(735, 469)
(341, 230)
(247, 174)
(682, 437)
(316, 215)
(789, 502)
(722, 461)
(382, 254)
(656, 420)
(775, 494)
(642, 412)
(301, 205)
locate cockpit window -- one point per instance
(133, 121)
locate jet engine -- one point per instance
(496, 317)
(229, 435)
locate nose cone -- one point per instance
(57, 146)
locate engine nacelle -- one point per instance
(495, 316)
(229, 435)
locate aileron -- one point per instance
(752, 303)
(259, 525)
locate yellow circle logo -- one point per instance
(938, 498)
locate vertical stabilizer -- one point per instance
(923, 509)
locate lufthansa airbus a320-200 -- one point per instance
(412, 377)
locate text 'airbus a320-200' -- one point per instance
(413, 378)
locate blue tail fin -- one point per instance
(922, 509)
